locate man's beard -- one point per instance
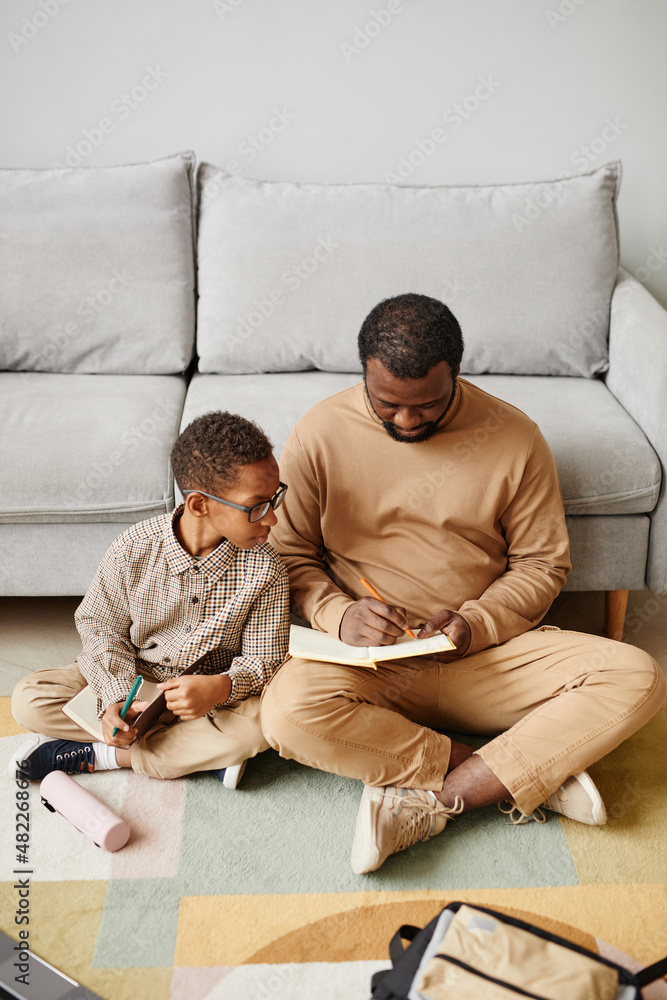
(429, 428)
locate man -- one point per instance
(447, 499)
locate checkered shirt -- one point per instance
(153, 605)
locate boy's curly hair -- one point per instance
(208, 454)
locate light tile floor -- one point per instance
(38, 632)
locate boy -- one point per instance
(200, 580)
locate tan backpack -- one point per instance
(472, 953)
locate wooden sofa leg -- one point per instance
(615, 603)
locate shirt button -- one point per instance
(188, 628)
(166, 659)
(195, 600)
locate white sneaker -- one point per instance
(391, 819)
(230, 776)
(577, 798)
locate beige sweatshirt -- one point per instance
(471, 520)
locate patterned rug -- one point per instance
(249, 895)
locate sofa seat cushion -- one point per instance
(275, 401)
(605, 463)
(87, 447)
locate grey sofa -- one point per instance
(133, 299)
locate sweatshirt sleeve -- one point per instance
(298, 539)
(538, 553)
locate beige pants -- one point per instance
(169, 749)
(556, 701)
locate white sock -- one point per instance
(105, 757)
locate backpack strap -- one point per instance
(652, 972)
(395, 983)
(407, 932)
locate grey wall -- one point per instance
(543, 87)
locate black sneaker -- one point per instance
(40, 755)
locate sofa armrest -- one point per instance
(637, 377)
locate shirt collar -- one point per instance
(180, 561)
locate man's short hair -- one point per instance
(208, 454)
(409, 334)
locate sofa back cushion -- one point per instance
(288, 271)
(97, 268)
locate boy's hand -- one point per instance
(456, 627)
(111, 718)
(193, 696)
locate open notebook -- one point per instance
(313, 645)
(82, 708)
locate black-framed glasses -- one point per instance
(255, 513)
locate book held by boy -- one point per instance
(82, 708)
(311, 644)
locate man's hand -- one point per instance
(372, 623)
(111, 718)
(191, 697)
(453, 625)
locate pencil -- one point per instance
(371, 589)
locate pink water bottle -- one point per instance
(64, 795)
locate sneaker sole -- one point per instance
(363, 836)
(233, 775)
(599, 811)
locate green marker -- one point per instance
(128, 701)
